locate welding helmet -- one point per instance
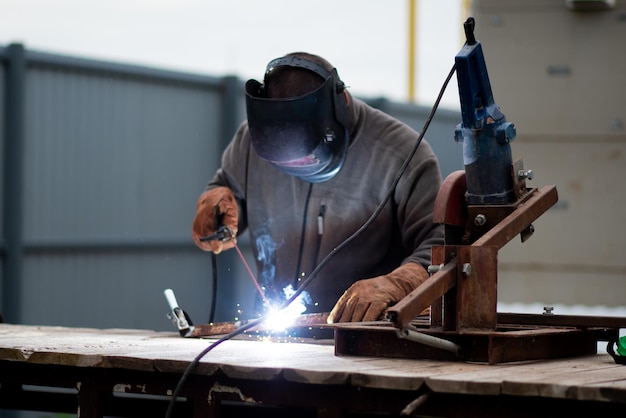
(305, 136)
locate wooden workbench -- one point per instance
(116, 372)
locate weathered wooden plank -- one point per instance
(14, 354)
(594, 377)
(489, 380)
(267, 360)
(565, 379)
(403, 375)
(477, 382)
(611, 389)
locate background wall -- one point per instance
(558, 74)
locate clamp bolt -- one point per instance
(480, 219)
(547, 310)
(435, 268)
(466, 269)
(525, 174)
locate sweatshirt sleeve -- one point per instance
(415, 196)
(233, 171)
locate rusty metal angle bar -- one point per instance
(419, 299)
(520, 218)
(551, 320)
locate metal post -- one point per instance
(13, 181)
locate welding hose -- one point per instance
(213, 287)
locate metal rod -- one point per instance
(254, 280)
(412, 407)
(411, 334)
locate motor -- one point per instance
(484, 132)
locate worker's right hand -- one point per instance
(368, 299)
(213, 205)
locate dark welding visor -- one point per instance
(299, 135)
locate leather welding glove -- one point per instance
(215, 207)
(367, 299)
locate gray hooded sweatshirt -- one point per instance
(294, 224)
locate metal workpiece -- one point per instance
(314, 325)
(310, 325)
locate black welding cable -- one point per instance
(213, 287)
(315, 272)
(196, 360)
(390, 192)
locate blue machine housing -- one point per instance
(484, 132)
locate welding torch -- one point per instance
(223, 233)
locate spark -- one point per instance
(279, 319)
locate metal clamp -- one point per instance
(177, 315)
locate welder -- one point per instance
(305, 171)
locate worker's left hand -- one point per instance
(368, 299)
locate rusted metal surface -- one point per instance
(535, 206)
(301, 324)
(216, 328)
(463, 293)
(551, 320)
(476, 288)
(439, 257)
(503, 345)
(381, 341)
(472, 304)
(419, 299)
(450, 201)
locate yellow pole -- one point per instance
(466, 11)
(411, 55)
